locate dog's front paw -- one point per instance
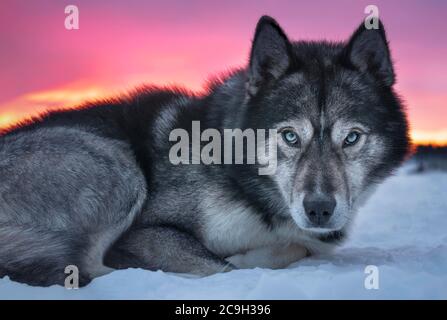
(239, 261)
(268, 257)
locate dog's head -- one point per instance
(341, 128)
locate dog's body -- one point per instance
(95, 188)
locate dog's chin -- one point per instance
(320, 230)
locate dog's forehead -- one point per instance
(333, 95)
(298, 96)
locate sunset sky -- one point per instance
(121, 44)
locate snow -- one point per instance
(401, 230)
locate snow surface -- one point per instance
(402, 230)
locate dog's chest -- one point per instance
(234, 228)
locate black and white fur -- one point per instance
(93, 187)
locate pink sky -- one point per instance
(121, 44)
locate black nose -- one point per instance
(319, 208)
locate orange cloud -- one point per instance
(438, 137)
(33, 103)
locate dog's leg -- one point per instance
(274, 257)
(38, 256)
(164, 248)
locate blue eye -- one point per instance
(351, 139)
(290, 136)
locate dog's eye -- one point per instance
(290, 137)
(351, 139)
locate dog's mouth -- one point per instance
(325, 234)
(327, 230)
(319, 230)
(332, 236)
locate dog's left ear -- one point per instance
(368, 51)
(270, 54)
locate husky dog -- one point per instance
(94, 186)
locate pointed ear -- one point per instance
(368, 51)
(270, 54)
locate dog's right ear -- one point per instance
(270, 54)
(368, 51)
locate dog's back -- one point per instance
(71, 183)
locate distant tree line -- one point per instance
(429, 157)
